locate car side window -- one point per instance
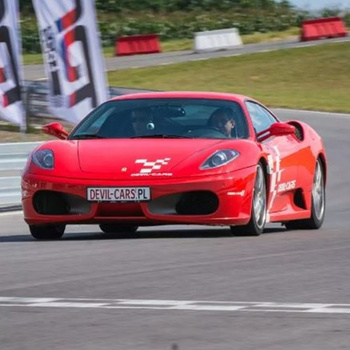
(260, 116)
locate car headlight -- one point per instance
(219, 158)
(43, 158)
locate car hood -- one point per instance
(141, 157)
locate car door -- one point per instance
(283, 158)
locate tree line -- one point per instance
(177, 5)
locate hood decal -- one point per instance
(149, 167)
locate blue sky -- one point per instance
(319, 4)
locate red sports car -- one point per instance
(176, 158)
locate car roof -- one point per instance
(184, 94)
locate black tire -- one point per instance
(47, 232)
(115, 228)
(318, 203)
(257, 222)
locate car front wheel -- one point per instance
(258, 213)
(47, 232)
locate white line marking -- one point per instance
(185, 305)
(200, 59)
(9, 213)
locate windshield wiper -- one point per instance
(87, 136)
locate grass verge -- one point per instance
(313, 78)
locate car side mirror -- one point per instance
(55, 129)
(276, 129)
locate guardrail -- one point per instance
(13, 157)
(37, 92)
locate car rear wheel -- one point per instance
(318, 203)
(47, 232)
(258, 214)
(115, 228)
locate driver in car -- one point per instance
(222, 119)
(142, 123)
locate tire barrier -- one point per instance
(137, 44)
(215, 40)
(323, 28)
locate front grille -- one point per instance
(197, 203)
(58, 203)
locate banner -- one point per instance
(72, 54)
(11, 74)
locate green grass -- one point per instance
(33, 58)
(312, 78)
(271, 36)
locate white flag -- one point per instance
(72, 54)
(11, 70)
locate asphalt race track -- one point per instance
(185, 287)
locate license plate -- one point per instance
(118, 194)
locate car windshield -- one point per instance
(164, 118)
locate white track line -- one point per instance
(184, 305)
(9, 213)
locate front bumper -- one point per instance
(228, 195)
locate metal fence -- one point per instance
(13, 157)
(36, 96)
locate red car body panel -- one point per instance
(79, 164)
